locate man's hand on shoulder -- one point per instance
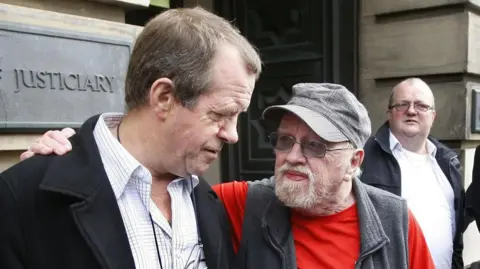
(51, 142)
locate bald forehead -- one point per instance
(413, 90)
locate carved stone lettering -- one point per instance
(110, 82)
(30, 79)
(68, 82)
(53, 78)
(41, 80)
(88, 84)
(27, 78)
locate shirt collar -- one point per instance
(119, 163)
(126, 167)
(186, 182)
(395, 144)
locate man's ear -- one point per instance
(161, 96)
(355, 163)
(357, 159)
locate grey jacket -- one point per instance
(267, 239)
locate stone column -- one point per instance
(435, 40)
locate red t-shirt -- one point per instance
(337, 236)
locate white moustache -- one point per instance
(296, 168)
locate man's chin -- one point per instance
(199, 166)
(300, 201)
(289, 191)
(411, 131)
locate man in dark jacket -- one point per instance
(127, 194)
(404, 159)
(472, 200)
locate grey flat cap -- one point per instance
(330, 110)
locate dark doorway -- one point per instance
(299, 41)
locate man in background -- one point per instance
(404, 159)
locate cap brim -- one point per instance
(318, 123)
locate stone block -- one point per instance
(473, 65)
(435, 45)
(376, 7)
(29, 16)
(83, 8)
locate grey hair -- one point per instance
(181, 44)
(357, 173)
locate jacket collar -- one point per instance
(383, 137)
(80, 175)
(276, 223)
(73, 173)
(213, 227)
(373, 235)
(472, 198)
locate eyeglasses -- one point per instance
(419, 107)
(309, 148)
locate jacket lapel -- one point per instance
(213, 226)
(80, 174)
(277, 227)
(373, 235)
(383, 137)
(472, 196)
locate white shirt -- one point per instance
(430, 198)
(131, 182)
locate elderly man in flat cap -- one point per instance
(314, 212)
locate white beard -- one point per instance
(301, 194)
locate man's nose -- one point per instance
(295, 155)
(228, 133)
(411, 109)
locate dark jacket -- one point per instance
(381, 170)
(61, 212)
(267, 238)
(472, 200)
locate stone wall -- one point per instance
(98, 18)
(91, 9)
